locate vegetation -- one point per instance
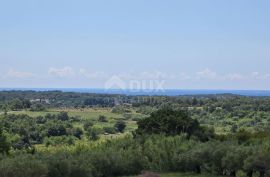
(57, 134)
(173, 122)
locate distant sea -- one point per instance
(168, 92)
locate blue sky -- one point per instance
(191, 44)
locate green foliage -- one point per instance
(173, 122)
(30, 131)
(179, 139)
(4, 144)
(67, 165)
(63, 116)
(37, 107)
(110, 130)
(169, 122)
(87, 124)
(128, 156)
(59, 140)
(23, 166)
(120, 126)
(93, 133)
(77, 132)
(102, 118)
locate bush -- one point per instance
(87, 124)
(102, 118)
(23, 166)
(67, 165)
(59, 140)
(149, 174)
(93, 133)
(110, 130)
(4, 144)
(63, 116)
(37, 107)
(77, 132)
(120, 126)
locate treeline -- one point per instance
(60, 99)
(227, 102)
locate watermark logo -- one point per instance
(142, 85)
(115, 82)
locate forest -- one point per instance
(66, 134)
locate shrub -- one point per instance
(102, 118)
(120, 126)
(110, 130)
(23, 166)
(37, 107)
(149, 174)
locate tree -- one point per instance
(57, 130)
(234, 128)
(259, 161)
(233, 161)
(4, 144)
(194, 102)
(120, 126)
(26, 104)
(16, 104)
(102, 118)
(110, 130)
(169, 122)
(87, 124)
(197, 158)
(37, 107)
(93, 133)
(63, 116)
(78, 133)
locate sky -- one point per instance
(175, 44)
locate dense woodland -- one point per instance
(222, 135)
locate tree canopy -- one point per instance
(168, 121)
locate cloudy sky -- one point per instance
(194, 44)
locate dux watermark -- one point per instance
(142, 85)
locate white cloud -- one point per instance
(234, 77)
(61, 72)
(146, 75)
(18, 74)
(206, 74)
(258, 76)
(153, 75)
(92, 75)
(184, 76)
(188, 78)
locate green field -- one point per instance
(90, 114)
